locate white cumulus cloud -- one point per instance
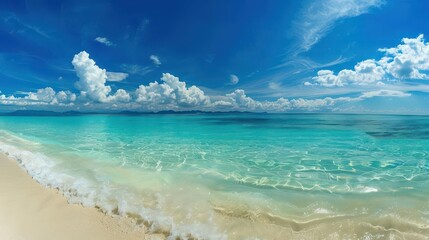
(364, 73)
(238, 98)
(92, 79)
(409, 60)
(120, 96)
(43, 96)
(170, 93)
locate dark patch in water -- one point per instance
(400, 134)
(266, 122)
(245, 120)
(375, 126)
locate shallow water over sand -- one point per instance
(238, 176)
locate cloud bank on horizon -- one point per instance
(173, 94)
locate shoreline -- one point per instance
(32, 211)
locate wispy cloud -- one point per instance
(316, 19)
(384, 93)
(320, 16)
(280, 79)
(136, 69)
(302, 63)
(17, 25)
(104, 41)
(155, 59)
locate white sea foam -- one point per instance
(321, 211)
(366, 189)
(111, 199)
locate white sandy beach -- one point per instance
(31, 211)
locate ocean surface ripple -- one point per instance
(237, 176)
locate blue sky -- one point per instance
(279, 56)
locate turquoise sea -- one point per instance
(237, 176)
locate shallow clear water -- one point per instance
(238, 176)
